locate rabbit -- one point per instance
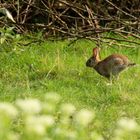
(110, 66)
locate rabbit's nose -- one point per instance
(87, 64)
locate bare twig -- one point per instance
(120, 9)
(26, 11)
(121, 40)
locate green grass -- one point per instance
(32, 71)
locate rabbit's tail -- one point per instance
(131, 64)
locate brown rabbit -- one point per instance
(110, 66)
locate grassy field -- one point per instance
(34, 70)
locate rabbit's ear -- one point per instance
(96, 52)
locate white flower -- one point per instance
(37, 129)
(8, 109)
(29, 106)
(96, 136)
(46, 120)
(67, 134)
(127, 124)
(67, 109)
(59, 131)
(84, 117)
(71, 135)
(47, 138)
(13, 136)
(37, 125)
(65, 120)
(52, 97)
(48, 108)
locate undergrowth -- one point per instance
(38, 68)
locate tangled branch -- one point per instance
(74, 18)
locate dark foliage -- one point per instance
(74, 18)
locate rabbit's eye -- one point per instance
(88, 63)
(89, 60)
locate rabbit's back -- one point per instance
(113, 64)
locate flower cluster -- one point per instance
(49, 119)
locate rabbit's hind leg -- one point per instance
(113, 79)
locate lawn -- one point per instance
(53, 66)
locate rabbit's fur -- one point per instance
(110, 66)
